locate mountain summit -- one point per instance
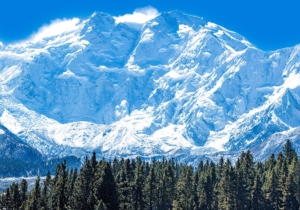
(176, 85)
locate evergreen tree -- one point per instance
(138, 185)
(227, 192)
(94, 162)
(257, 197)
(116, 166)
(270, 189)
(220, 167)
(270, 163)
(23, 193)
(245, 172)
(205, 189)
(124, 183)
(289, 152)
(105, 188)
(294, 171)
(46, 192)
(147, 168)
(7, 202)
(15, 193)
(184, 191)
(59, 196)
(82, 188)
(166, 188)
(33, 203)
(150, 198)
(196, 176)
(202, 191)
(212, 183)
(70, 185)
(289, 200)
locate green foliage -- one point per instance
(82, 192)
(150, 190)
(136, 184)
(34, 199)
(184, 198)
(105, 188)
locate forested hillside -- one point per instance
(165, 184)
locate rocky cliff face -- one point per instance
(177, 85)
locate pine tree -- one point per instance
(196, 181)
(7, 202)
(15, 193)
(212, 183)
(70, 185)
(166, 187)
(150, 198)
(94, 162)
(124, 183)
(46, 192)
(245, 172)
(105, 188)
(270, 189)
(184, 191)
(289, 152)
(59, 196)
(294, 170)
(227, 192)
(33, 202)
(23, 193)
(220, 167)
(257, 197)
(202, 191)
(138, 185)
(116, 166)
(289, 200)
(82, 188)
(147, 168)
(270, 163)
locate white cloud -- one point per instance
(56, 27)
(140, 15)
(1, 44)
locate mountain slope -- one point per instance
(11, 147)
(177, 85)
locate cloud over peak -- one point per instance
(140, 15)
(56, 27)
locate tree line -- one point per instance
(165, 184)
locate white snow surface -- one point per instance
(176, 85)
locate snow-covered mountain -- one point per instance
(176, 85)
(13, 148)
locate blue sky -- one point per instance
(268, 24)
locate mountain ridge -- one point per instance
(177, 85)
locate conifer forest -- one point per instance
(165, 184)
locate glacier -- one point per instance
(176, 86)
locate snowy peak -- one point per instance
(176, 85)
(98, 23)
